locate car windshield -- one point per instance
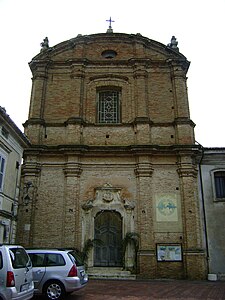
(19, 258)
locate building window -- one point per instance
(108, 110)
(5, 133)
(109, 54)
(2, 170)
(219, 179)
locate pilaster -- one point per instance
(194, 256)
(72, 222)
(77, 76)
(145, 214)
(38, 93)
(180, 92)
(27, 206)
(140, 77)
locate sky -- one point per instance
(198, 25)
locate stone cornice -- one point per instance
(105, 38)
(74, 120)
(34, 121)
(184, 121)
(137, 120)
(13, 129)
(111, 150)
(109, 76)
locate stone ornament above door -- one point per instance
(108, 197)
(107, 194)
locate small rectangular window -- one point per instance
(37, 259)
(108, 106)
(17, 165)
(2, 170)
(19, 258)
(54, 259)
(219, 178)
(5, 132)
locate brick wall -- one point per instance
(148, 156)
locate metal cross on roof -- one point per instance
(110, 23)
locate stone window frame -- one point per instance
(116, 105)
(214, 185)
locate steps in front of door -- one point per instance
(109, 273)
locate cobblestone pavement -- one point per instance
(151, 289)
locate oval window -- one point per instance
(109, 54)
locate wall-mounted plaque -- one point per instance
(169, 252)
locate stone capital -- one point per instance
(143, 170)
(73, 170)
(187, 172)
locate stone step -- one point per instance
(109, 273)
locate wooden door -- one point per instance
(108, 229)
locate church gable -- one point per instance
(73, 80)
(101, 47)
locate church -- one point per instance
(113, 155)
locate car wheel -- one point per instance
(54, 290)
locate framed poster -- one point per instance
(169, 252)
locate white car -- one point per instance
(56, 272)
(16, 278)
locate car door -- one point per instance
(22, 268)
(39, 268)
(56, 266)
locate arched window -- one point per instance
(108, 105)
(219, 180)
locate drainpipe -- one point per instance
(203, 206)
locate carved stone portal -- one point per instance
(107, 198)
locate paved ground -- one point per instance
(151, 289)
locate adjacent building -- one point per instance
(212, 196)
(12, 143)
(113, 154)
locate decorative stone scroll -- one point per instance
(88, 205)
(129, 205)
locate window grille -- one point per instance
(219, 178)
(108, 106)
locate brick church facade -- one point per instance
(113, 152)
